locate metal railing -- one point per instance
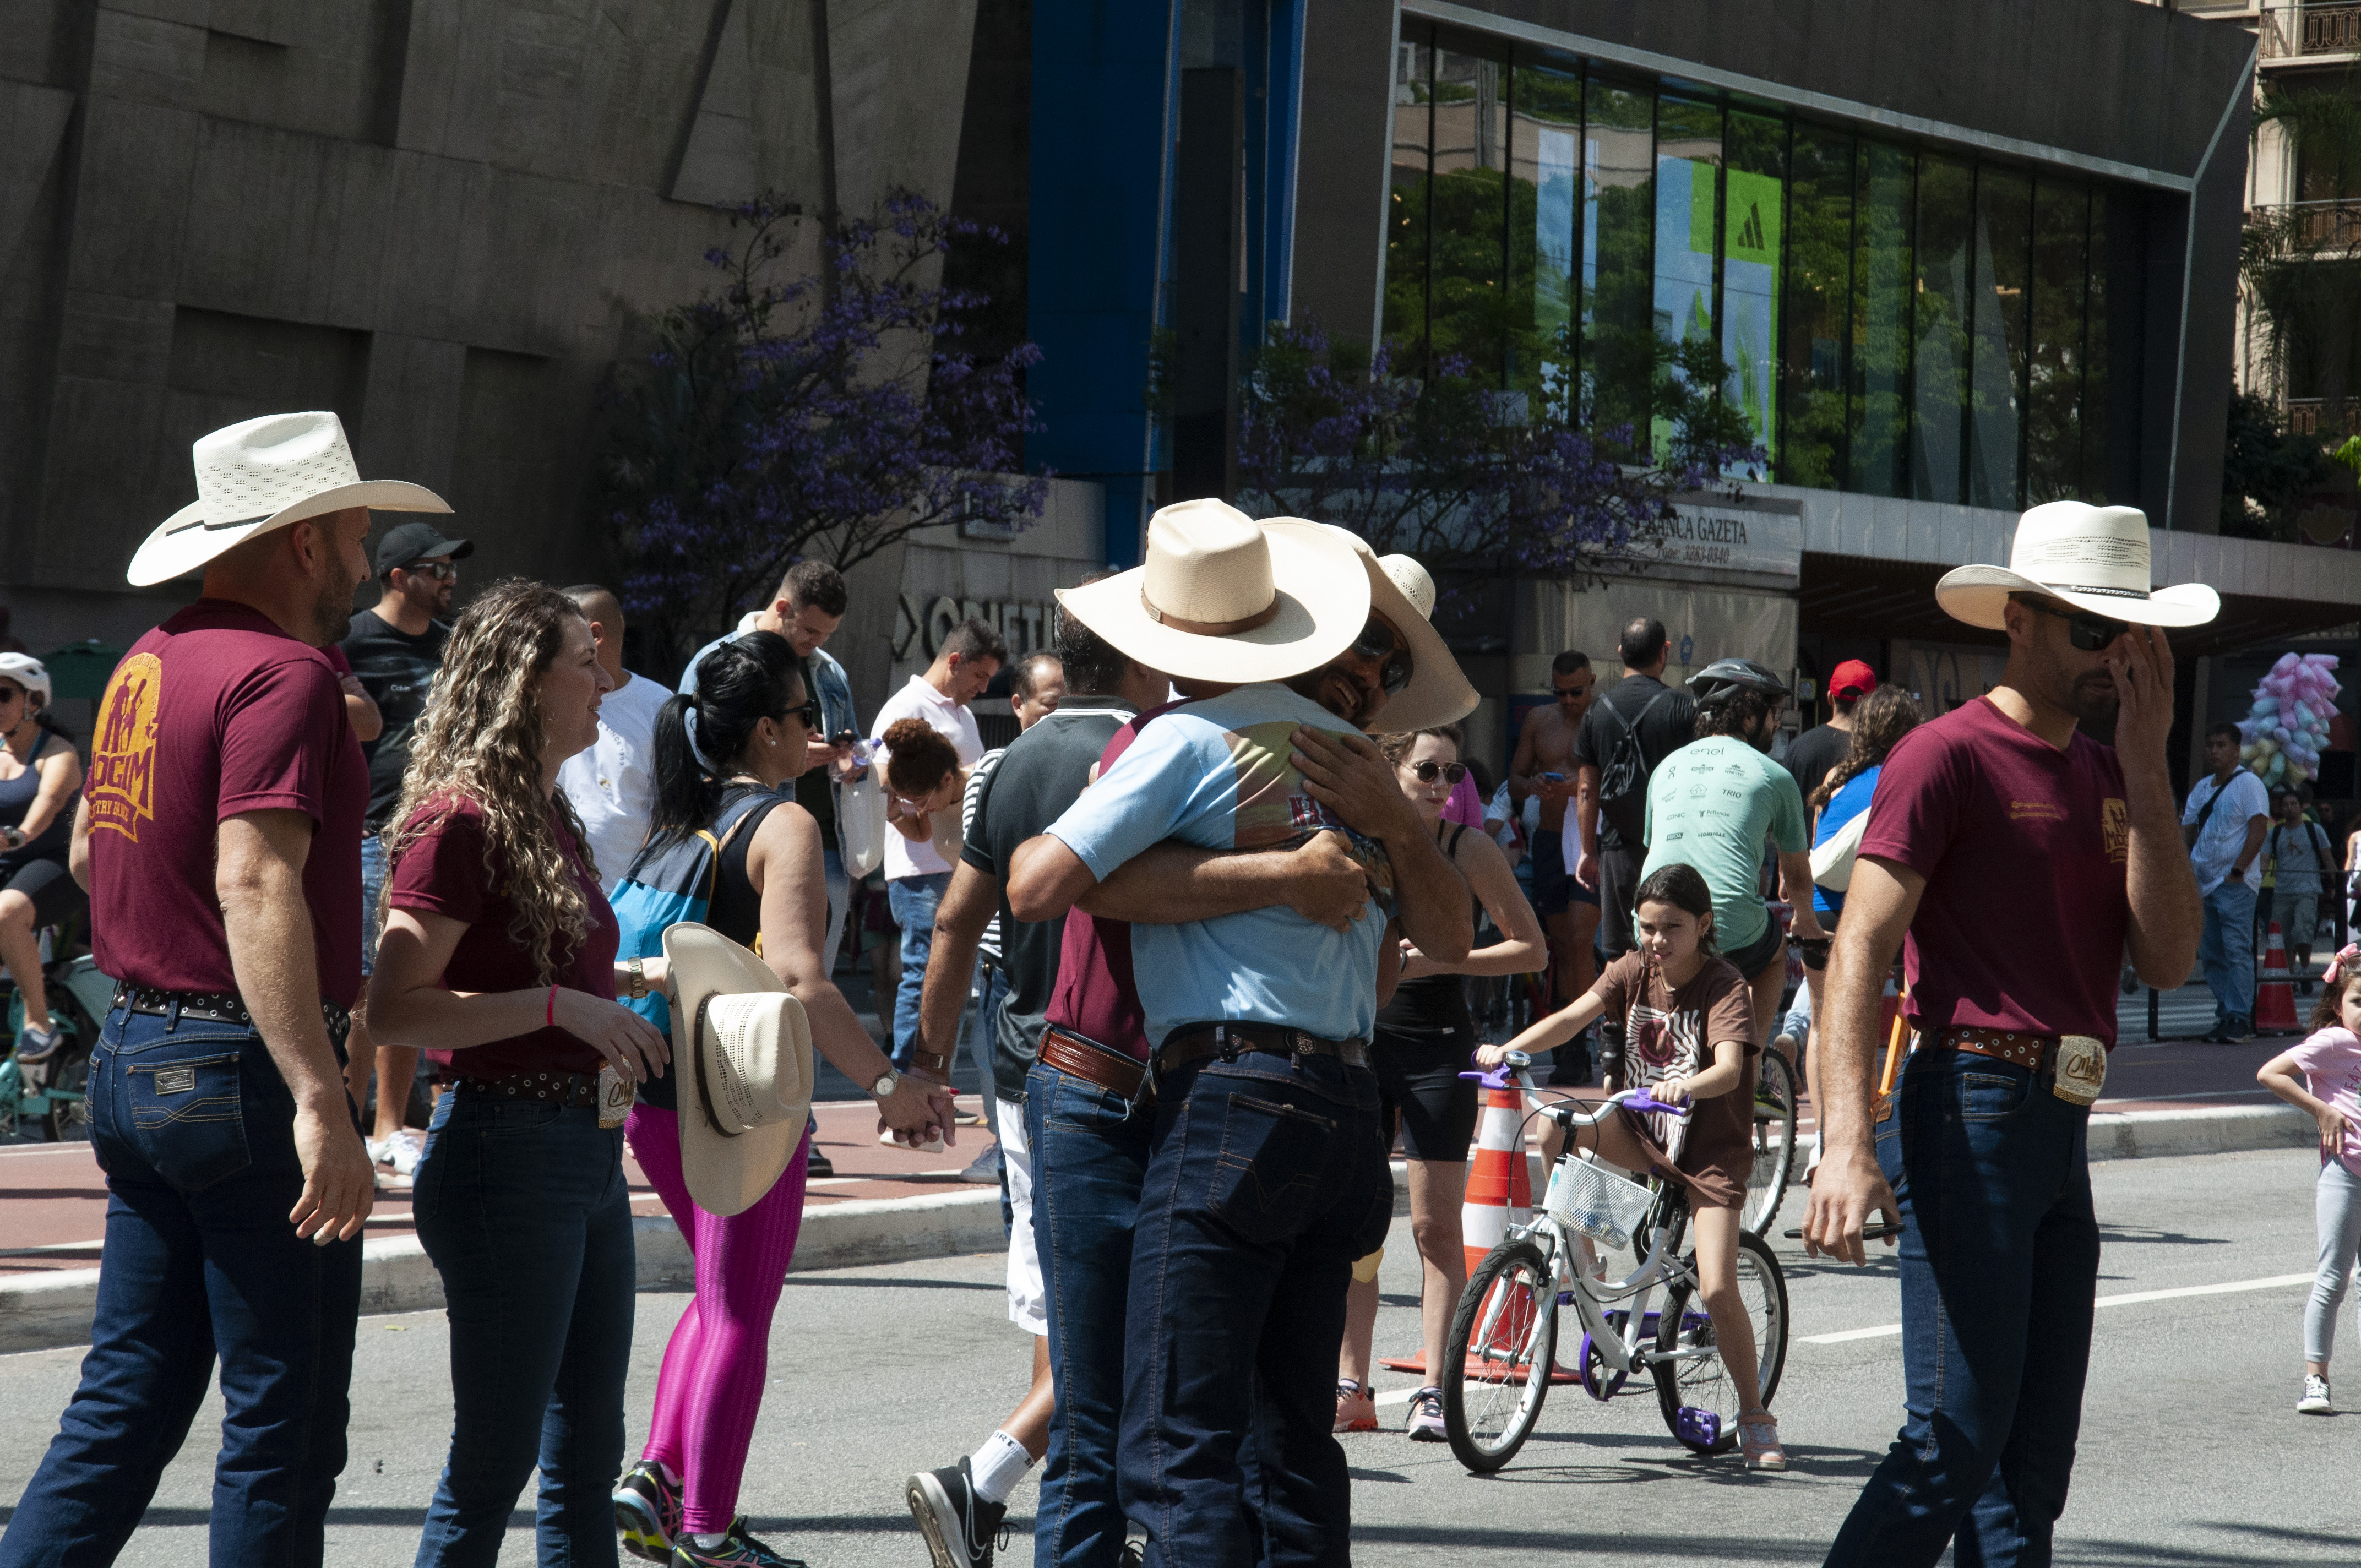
(2291, 32)
(2332, 224)
(2319, 416)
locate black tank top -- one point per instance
(16, 798)
(1429, 1013)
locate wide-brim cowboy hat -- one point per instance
(741, 1064)
(1439, 693)
(262, 473)
(2094, 558)
(1223, 597)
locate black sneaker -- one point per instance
(818, 1165)
(738, 1549)
(959, 1526)
(647, 1510)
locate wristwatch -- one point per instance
(884, 1087)
(639, 978)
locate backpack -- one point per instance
(1623, 777)
(674, 882)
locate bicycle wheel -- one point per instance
(1507, 1325)
(1774, 1144)
(1694, 1390)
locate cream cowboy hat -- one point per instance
(263, 473)
(1438, 692)
(742, 1065)
(1223, 597)
(2094, 558)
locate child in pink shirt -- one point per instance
(2330, 1061)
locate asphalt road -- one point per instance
(2192, 1453)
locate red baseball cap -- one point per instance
(1852, 678)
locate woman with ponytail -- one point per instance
(725, 756)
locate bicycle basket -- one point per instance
(1589, 1198)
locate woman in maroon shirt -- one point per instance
(499, 948)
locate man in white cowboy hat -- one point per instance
(1267, 1173)
(221, 832)
(2013, 860)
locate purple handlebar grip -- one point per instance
(1644, 1102)
(1497, 1079)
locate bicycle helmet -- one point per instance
(27, 672)
(1725, 677)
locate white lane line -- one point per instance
(2129, 1298)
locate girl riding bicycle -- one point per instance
(1689, 1035)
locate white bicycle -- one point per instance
(1506, 1327)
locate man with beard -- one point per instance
(1264, 1172)
(2014, 858)
(395, 647)
(219, 836)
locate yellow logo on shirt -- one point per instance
(123, 754)
(2115, 822)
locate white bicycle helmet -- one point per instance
(27, 672)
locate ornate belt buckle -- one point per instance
(2081, 1070)
(616, 1093)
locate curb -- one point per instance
(42, 1311)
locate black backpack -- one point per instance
(1623, 776)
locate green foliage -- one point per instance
(2266, 470)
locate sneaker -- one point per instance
(985, 1171)
(647, 1510)
(376, 1148)
(1355, 1412)
(401, 1152)
(38, 1045)
(1758, 1440)
(738, 1549)
(818, 1165)
(959, 1526)
(2315, 1399)
(1424, 1423)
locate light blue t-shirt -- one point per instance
(1215, 774)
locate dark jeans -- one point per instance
(1619, 879)
(195, 1128)
(523, 1206)
(1089, 1156)
(1265, 1181)
(2000, 1265)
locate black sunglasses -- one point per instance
(1378, 641)
(1451, 771)
(809, 713)
(2084, 630)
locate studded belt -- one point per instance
(564, 1088)
(2031, 1052)
(213, 1006)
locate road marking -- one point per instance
(2129, 1298)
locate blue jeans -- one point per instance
(372, 887)
(913, 900)
(523, 1206)
(840, 900)
(1265, 1181)
(2227, 951)
(2000, 1265)
(1090, 1152)
(195, 1130)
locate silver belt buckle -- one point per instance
(616, 1093)
(2081, 1070)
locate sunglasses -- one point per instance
(808, 714)
(1564, 692)
(2084, 630)
(440, 571)
(1378, 642)
(1451, 771)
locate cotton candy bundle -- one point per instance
(2286, 728)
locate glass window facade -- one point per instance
(1895, 319)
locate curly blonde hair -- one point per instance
(479, 741)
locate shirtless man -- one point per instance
(1569, 911)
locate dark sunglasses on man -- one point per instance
(1451, 771)
(2084, 630)
(1378, 641)
(440, 571)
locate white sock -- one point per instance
(665, 1470)
(710, 1542)
(997, 1466)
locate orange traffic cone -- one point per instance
(2275, 997)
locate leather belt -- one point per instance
(2032, 1052)
(1079, 1055)
(213, 1006)
(564, 1087)
(1198, 1041)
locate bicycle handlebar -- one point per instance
(1509, 1073)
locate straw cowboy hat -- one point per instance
(263, 473)
(2094, 558)
(742, 1065)
(1438, 692)
(1223, 597)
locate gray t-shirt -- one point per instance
(2298, 853)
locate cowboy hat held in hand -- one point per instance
(262, 473)
(742, 1062)
(2094, 558)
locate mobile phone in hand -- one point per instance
(1873, 1232)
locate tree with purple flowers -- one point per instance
(823, 414)
(1473, 481)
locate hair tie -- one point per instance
(696, 749)
(2346, 961)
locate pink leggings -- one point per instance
(711, 1383)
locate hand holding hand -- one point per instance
(634, 1048)
(1845, 1190)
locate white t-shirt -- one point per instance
(920, 700)
(2216, 849)
(613, 784)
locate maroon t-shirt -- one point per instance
(216, 713)
(442, 872)
(2024, 847)
(1094, 996)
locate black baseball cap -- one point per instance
(415, 541)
